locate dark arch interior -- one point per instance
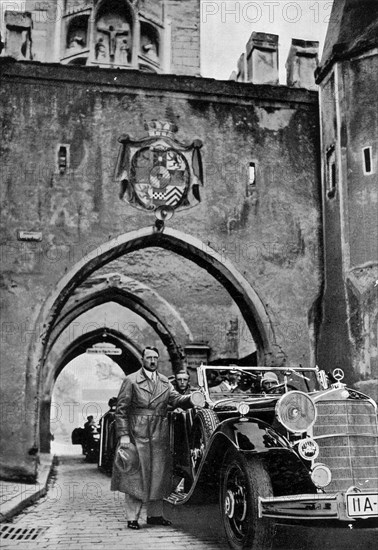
(128, 361)
(130, 301)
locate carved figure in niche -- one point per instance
(117, 34)
(100, 49)
(18, 34)
(77, 39)
(123, 51)
(149, 45)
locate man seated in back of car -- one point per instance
(222, 384)
(244, 384)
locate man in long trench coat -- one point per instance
(141, 420)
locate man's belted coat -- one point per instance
(142, 415)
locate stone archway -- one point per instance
(128, 361)
(137, 297)
(246, 298)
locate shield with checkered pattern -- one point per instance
(161, 177)
(159, 170)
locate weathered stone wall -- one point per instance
(270, 231)
(350, 308)
(361, 131)
(185, 36)
(333, 341)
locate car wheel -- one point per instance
(204, 424)
(244, 480)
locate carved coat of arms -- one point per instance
(159, 171)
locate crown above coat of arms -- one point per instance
(158, 171)
(161, 128)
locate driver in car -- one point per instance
(269, 381)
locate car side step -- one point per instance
(177, 497)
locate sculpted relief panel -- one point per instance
(77, 33)
(18, 34)
(113, 39)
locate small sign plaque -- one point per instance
(106, 349)
(31, 236)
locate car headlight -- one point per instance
(296, 411)
(198, 399)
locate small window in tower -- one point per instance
(251, 178)
(63, 158)
(252, 173)
(366, 152)
(331, 173)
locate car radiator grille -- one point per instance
(347, 435)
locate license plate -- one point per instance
(361, 505)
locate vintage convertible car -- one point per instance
(305, 448)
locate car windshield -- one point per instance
(222, 382)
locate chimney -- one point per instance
(301, 64)
(242, 69)
(262, 58)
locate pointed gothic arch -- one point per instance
(246, 298)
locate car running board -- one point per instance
(178, 497)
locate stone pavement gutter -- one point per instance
(15, 496)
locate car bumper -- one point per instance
(348, 506)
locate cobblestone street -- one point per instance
(80, 512)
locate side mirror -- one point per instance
(322, 378)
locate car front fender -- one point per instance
(289, 474)
(249, 434)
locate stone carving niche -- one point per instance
(77, 34)
(18, 34)
(113, 34)
(149, 42)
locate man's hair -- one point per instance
(150, 348)
(183, 372)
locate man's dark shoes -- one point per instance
(133, 525)
(158, 520)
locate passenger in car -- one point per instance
(227, 381)
(221, 384)
(244, 384)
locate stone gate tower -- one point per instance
(349, 141)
